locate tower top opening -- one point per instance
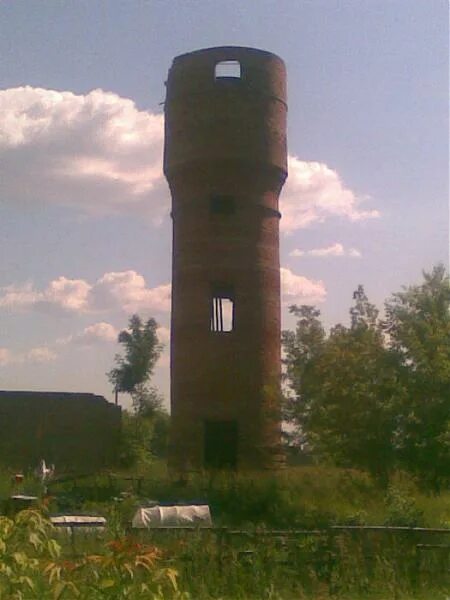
(199, 72)
(226, 103)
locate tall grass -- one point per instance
(252, 564)
(300, 497)
(288, 567)
(305, 497)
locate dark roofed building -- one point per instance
(71, 430)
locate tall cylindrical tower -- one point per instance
(225, 160)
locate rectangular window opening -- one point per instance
(222, 205)
(222, 311)
(227, 69)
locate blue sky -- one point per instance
(85, 236)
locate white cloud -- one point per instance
(127, 291)
(5, 357)
(163, 335)
(103, 332)
(97, 333)
(42, 354)
(296, 289)
(38, 355)
(354, 253)
(313, 193)
(336, 249)
(62, 294)
(98, 153)
(297, 252)
(124, 291)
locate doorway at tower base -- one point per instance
(219, 447)
(220, 444)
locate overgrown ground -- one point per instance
(246, 560)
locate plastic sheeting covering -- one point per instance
(78, 521)
(172, 516)
(83, 524)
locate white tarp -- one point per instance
(78, 520)
(82, 523)
(172, 516)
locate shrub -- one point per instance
(401, 508)
(31, 566)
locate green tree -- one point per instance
(345, 387)
(301, 347)
(145, 430)
(417, 324)
(133, 371)
(143, 439)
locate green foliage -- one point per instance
(32, 566)
(418, 325)
(376, 395)
(144, 438)
(25, 544)
(252, 564)
(345, 387)
(142, 350)
(145, 431)
(402, 509)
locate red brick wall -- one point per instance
(229, 138)
(73, 431)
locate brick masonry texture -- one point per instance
(73, 431)
(226, 136)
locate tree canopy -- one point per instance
(418, 328)
(134, 370)
(376, 394)
(145, 432)
(142, 350)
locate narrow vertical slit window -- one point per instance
(222, 311)
(227, 69)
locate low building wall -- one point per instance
(71, 430)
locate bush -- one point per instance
(402, 510)
(31, 566)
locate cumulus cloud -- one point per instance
(102, 332)
(41, 354)
(38, 355)
(163, 335)
(333, 250)
(314, 193)
(126, 291)
(354, 253)
(98, 153)
(296, 289)
(65, 295)
(98, 333)
(5, 357)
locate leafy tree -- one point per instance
(300, 349)
(377, 394)
(345, 387)
(145, 431)
(143, 439)
(418, 326)
(142, 350)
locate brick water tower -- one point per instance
(225, 160)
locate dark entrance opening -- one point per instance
(221, 442)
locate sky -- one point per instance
(85, 233)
